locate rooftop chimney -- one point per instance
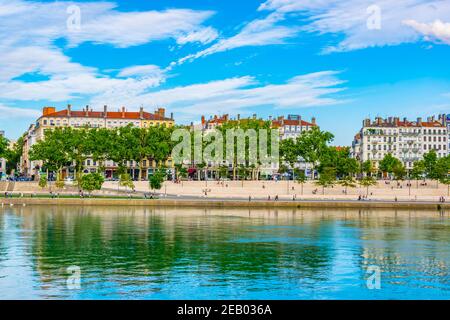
(48, 110)
(69, 110)
(161, 112)
(203, 120)
(123, 112)
(105, 111)
(171, 116)
(87, 111)
(313, 120)
(141, 112)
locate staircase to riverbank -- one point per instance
(3, 186)
(10, 187)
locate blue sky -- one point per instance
(340, 61)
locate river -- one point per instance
(51, 252)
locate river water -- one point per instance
(51, 252)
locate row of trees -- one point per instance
(12, 155)
(65, 147)
(313, 147)
(62, 148)
(334, 165)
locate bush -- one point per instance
(43, 181)
(92, 181)
(156, 180)
(125, 181)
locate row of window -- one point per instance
(388, 147)
(98, 124)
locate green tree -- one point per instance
(399, 171)
(300, 177)
(312, 145)
(429, 160)
(418, 171)
(3, 146)
(289, 152)
(367, 168)
(347, 182)
(388, 163)
(181, 172)
(442, 168)
(53, 150)
(13, 155)
(126, 181)
(99, 142)
(338, 158)
(43, 181)
(367, 182)
(156, 180)
(223, 172)
(327, 178)
(92, 181)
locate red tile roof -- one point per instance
(109, 115)
(287, 122)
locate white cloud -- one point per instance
(203, 36)
(17, 61)
(260, 32)
(42, 22)
(350, 19)
(28, 31)
(238, 94)
(7, 112)
(435, 31)
(71, 87)
(135, 28)
(149, 70)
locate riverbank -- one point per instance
(224, 203)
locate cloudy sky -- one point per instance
(340, 61)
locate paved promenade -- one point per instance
(287, 190)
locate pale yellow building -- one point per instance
(87, 117)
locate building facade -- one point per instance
(404, 139)
(51, 118)
(291, 126)
(445, 119)
(2, 162)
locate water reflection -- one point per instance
(169, 253)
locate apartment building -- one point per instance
(404, 139)
(87, 117)
(445, 119)
(2, 162)
(292, 126)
